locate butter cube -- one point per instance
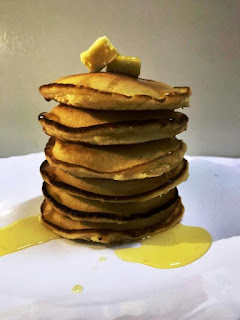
(101, 53)
(127, 65)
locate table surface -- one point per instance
(36, 282)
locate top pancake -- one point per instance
(108, 91)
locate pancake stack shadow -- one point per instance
(112, 162)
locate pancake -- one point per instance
(108, 91)
(92, 208)
(112, 190)
(110, 232)
(111, 127)
(125, 162)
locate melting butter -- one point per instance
(77, 288)
(173, 248)
(24, 233)
(127, 65)
(101, 53)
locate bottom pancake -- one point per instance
(111, 232)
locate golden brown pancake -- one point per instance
(108, 91)
(124, 162)
(111, 232)
(112, 190)
(113, 163)
(111, 127)
(93, 208)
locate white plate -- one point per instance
(36, 283)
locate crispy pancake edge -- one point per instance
(140, 171)
(162, 189)
(108, 236)
(103, 216)
(89, 96)
(87, 134)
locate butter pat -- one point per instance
(101, 53)
(123, 64)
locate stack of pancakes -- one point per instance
(113, 162)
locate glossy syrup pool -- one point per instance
(24, 233)
(173, 248)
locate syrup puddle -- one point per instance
(24, 233)
(173, 248)
(77, 288)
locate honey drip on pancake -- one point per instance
(24, 233)
(173, 248)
